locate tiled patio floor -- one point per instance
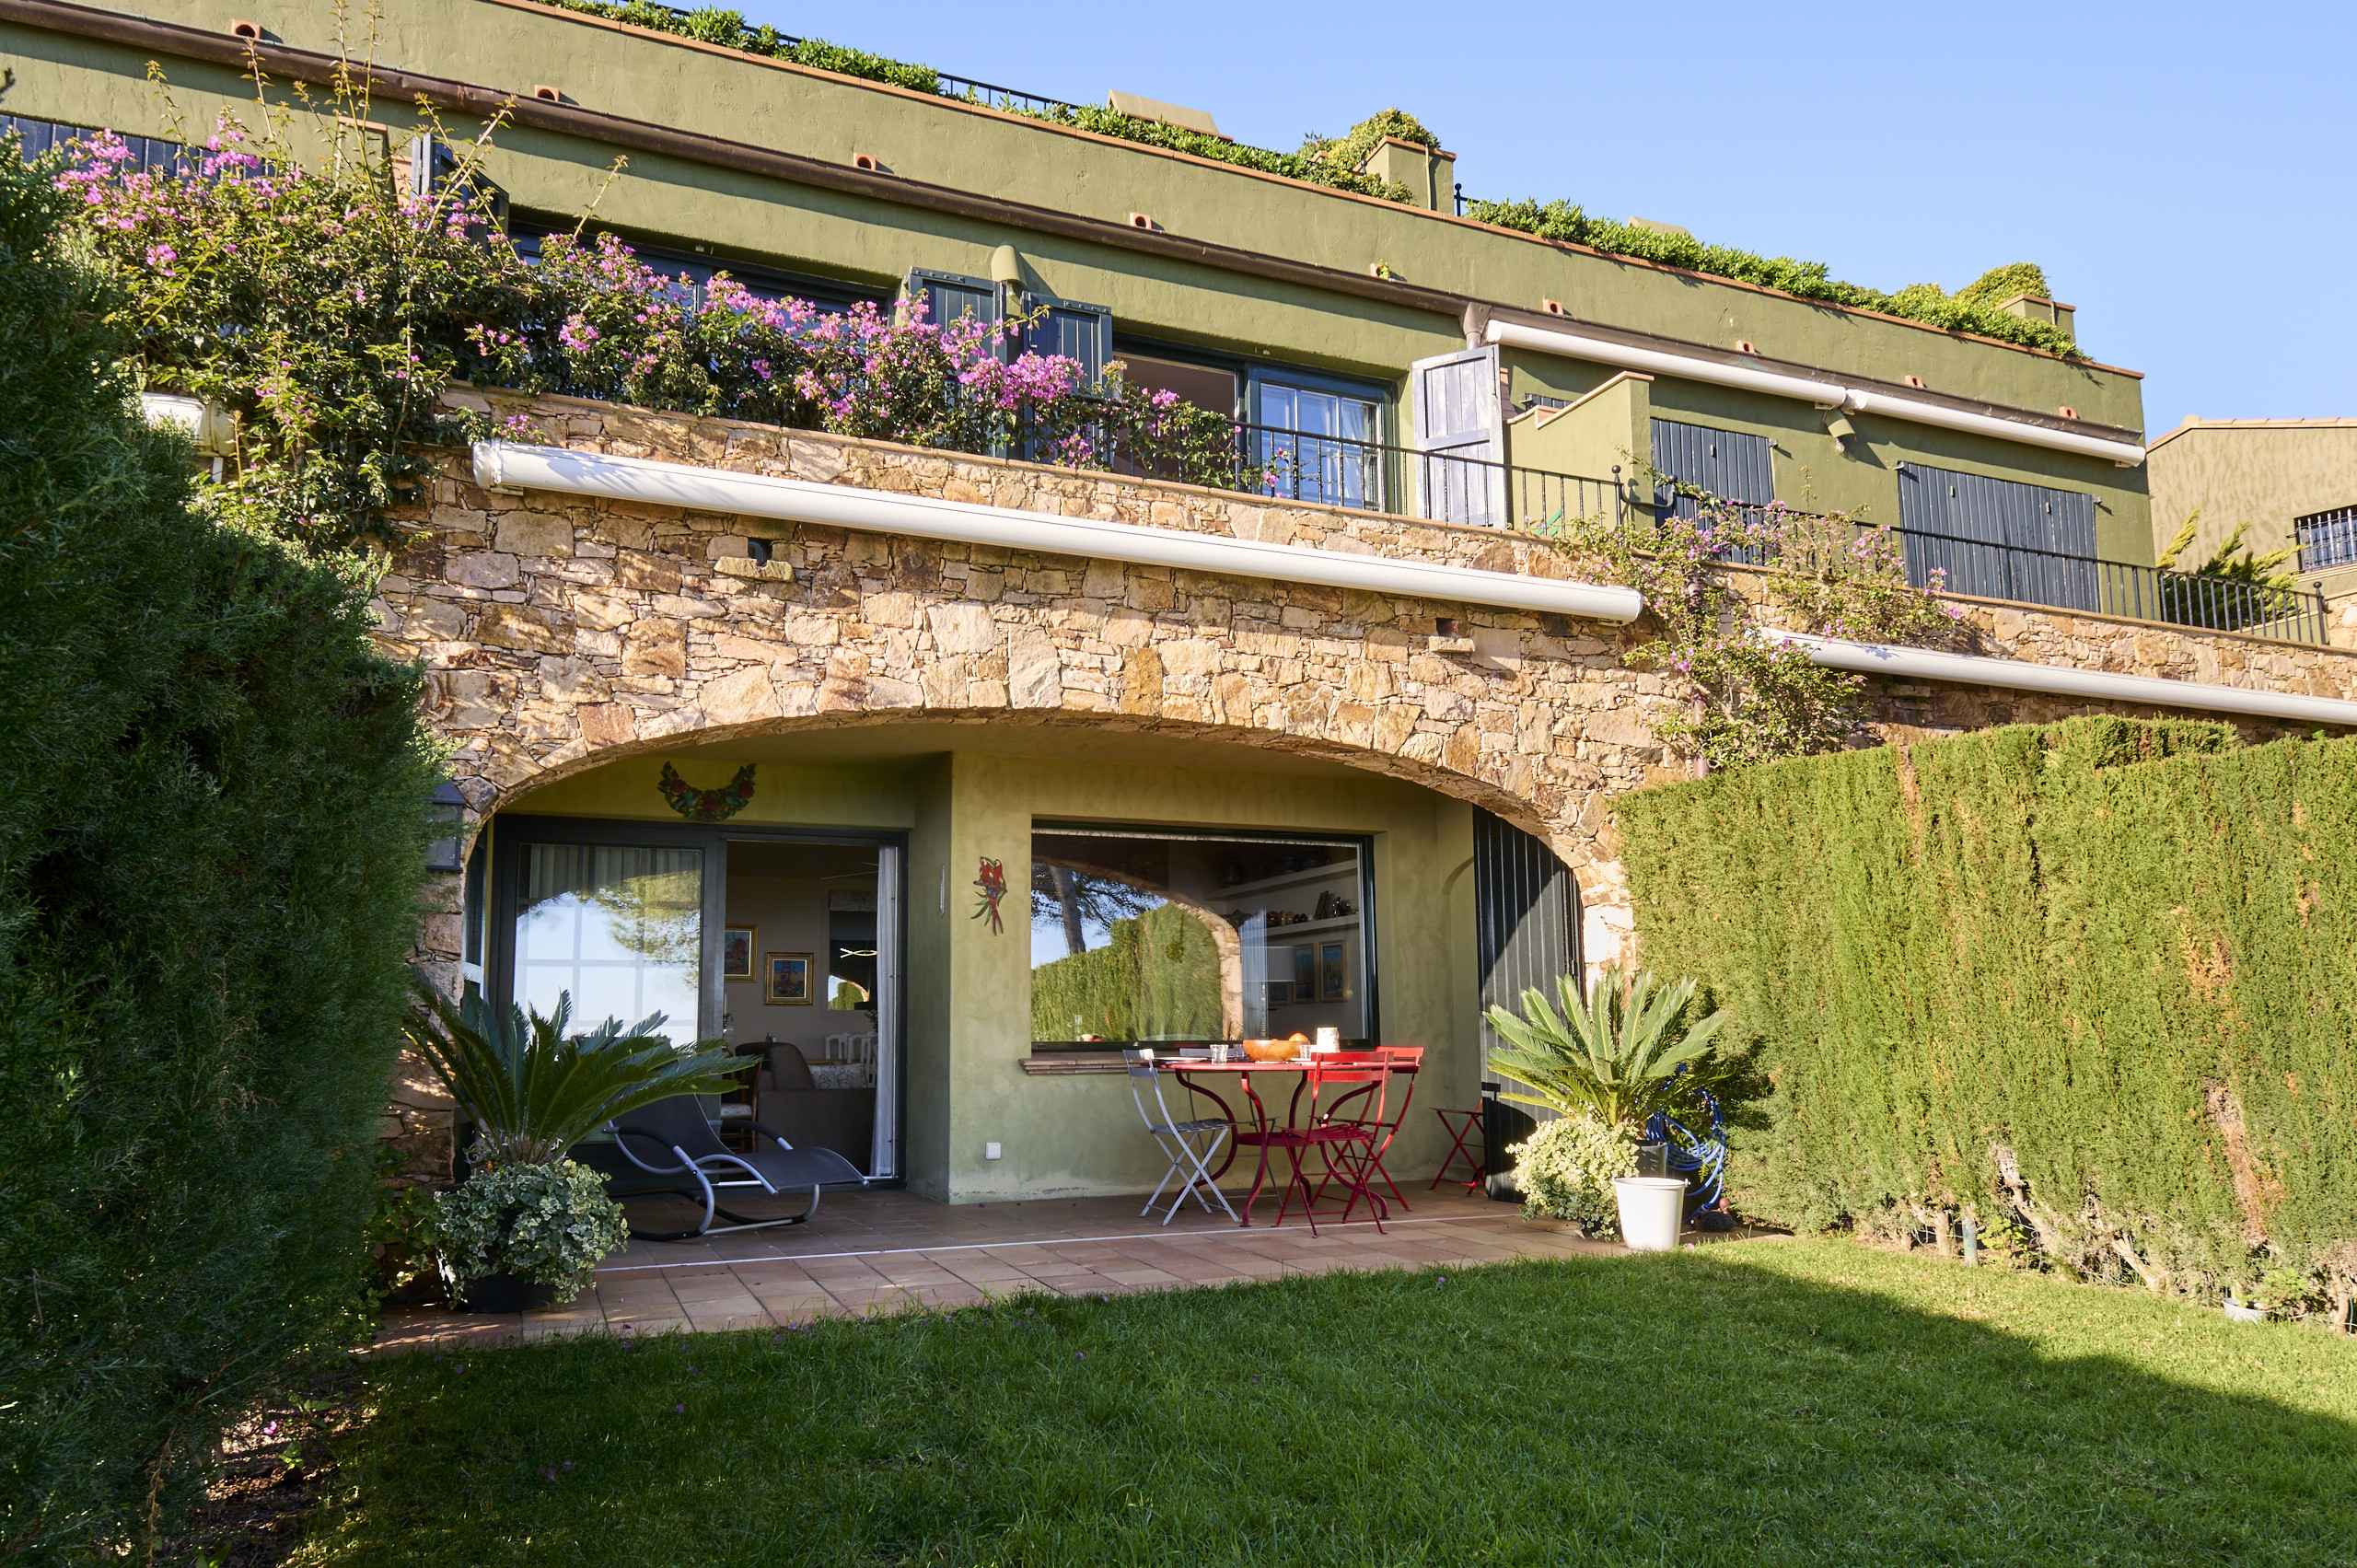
(880, 1251)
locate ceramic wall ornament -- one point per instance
(707, 805)
(993, 883)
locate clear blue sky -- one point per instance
(2183, 172)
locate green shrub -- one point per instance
(1565, 1169)
(2098, 978)
(549, 1223)
(211, 832)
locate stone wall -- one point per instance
(561, 634)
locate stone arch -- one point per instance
(501, 792)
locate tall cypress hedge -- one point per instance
(212, 825)
(2100, 976)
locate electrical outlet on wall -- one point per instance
(990, 1151)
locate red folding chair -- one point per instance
(1353, 1108)
(1459, 1132)
(1345, 1147)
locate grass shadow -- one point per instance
(1778, 1403)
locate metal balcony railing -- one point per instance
(2022, 575)
(1301, 465)
(988, 93)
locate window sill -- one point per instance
(1069, 1063)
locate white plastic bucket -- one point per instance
(1652, 1208)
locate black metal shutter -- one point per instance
(1998, 537)
(1727, 463)
(1525, 917)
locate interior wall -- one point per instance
(790, 916)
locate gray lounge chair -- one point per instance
(673, 1143)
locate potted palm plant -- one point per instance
(524, 1228)
(1607, 1061)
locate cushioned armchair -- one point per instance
(809, 1117)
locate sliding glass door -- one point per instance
(627, 920)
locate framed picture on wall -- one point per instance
(1276, 993)
(1305, 974)
(737, 952)
(1333, 979)
(786, 979)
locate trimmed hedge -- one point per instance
(211, 832)
(2098, 978)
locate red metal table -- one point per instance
(1354, 1067)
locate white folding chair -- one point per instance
(1177, 1140)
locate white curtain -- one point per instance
(619, 927)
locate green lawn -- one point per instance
(1809, 1402)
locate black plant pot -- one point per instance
(508, 1293)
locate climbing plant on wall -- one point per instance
(1739, 698)
(2094, 979)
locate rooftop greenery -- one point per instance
(1972, 308)
(1333, 162)
(1320, 161)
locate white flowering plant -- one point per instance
(1566, 1170)
(544, 1223)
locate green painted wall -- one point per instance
(672, 82)
(968, 988)
(1079, 1134)
(883, 795)
(1811, 470)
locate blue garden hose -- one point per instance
(1702, 1161)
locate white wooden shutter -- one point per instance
(1460, 430)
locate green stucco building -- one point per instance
(1218, 810)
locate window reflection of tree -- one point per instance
(1074, 894)
(651, 900)
(1077, 899)
(656, 917)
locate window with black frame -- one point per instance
(1146, 937)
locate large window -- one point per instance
(1077, 332)
(1147, 935)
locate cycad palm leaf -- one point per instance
(534, 1091)
(1609, 1053)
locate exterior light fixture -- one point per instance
(1006, 266)
(1838, 425)
(449, 809)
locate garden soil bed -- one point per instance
(273, 1468)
